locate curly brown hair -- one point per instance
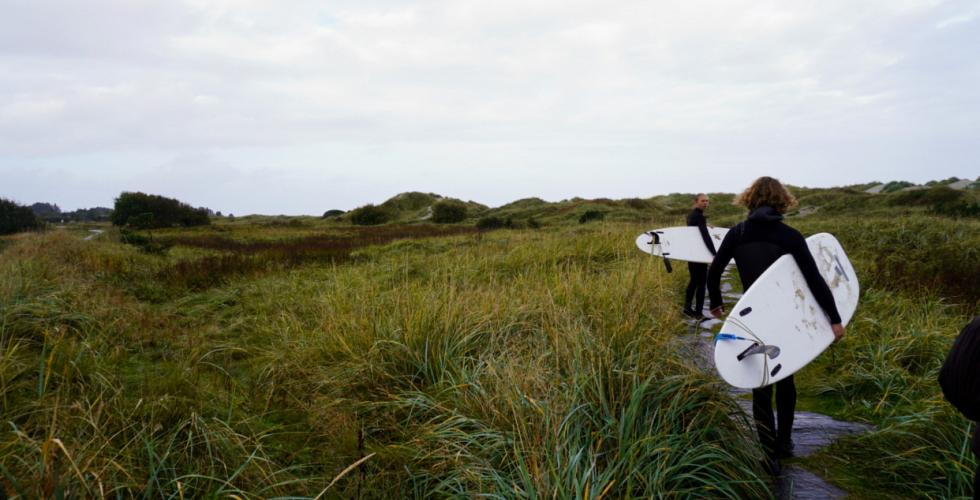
(767, 191)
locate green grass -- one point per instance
(508, 363)
(441, 361)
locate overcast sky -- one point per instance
(296, 107)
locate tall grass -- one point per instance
(502, 364)
(916, 296)
(924, 254)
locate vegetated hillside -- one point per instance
(895, 186)
(412, 206)
(671, 209)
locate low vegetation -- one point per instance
(267, 356)
(448, 212)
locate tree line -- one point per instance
(147, 211)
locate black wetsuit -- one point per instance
(699, 272)
(960, 381)
(756, 243)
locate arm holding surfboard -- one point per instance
(722, 257)
(821, 292)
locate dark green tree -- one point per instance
(43, 209)
(15, 218)
(165, 212)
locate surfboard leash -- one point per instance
(755, 340)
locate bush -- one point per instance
(447, 212)
(637, 204)
(590, 215)
(490, 223)
(330, 214)
(533, 223)
(369, 215)
(149, 210)
(961, 209)
(144, 243)
(15, 218)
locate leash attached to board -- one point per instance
(656, 243)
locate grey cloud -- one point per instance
(487, 86)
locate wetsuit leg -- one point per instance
(765, 421)
(785, 411)
(695, 287)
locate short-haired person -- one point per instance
(756, 243)
(698, 271)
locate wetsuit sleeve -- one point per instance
(703, 227)
(722, 258)
(818, 286)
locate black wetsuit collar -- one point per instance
(765, 213)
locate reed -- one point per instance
(437, 361)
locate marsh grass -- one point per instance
(922, 254)
(439, 361)
(508, 364)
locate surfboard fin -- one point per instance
(756, 348)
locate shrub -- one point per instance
(164, 212)
(533, 223)
(369, 215)
(961, 209)
(490, 223)
(144, 243)
(447, 212)
(15, 218)
(590, 215)
(637, 204)
(330, 214)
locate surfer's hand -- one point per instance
(838, 331)
(718, 311)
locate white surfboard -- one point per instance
(680, 243)
(777, 327)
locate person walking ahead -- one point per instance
(698, 271)
(756, 243)
(960, 380)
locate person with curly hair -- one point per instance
(756, 243)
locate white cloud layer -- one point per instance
(302, 106)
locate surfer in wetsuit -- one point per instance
(756, 243)
(698, 271)
(959, 378)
